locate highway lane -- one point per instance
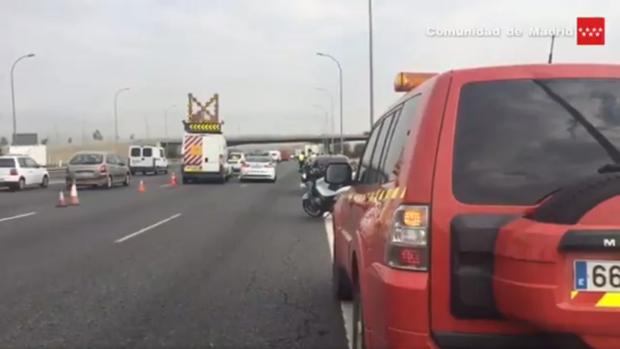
(229, 266)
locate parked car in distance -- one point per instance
(259, 167)
(235, 161)
(97, 169)
(147, 159)
(276, 156)
(20, 171)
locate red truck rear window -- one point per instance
(518, 140)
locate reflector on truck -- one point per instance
(203, 127)
(192, 150)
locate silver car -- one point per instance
(258, 167)
(96, 168)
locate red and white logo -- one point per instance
(590, 30)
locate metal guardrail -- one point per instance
(57, 172)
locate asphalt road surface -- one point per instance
(211, 266)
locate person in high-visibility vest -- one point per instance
(301, 158)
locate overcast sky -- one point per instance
(258, 55)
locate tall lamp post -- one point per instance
(331, 109)
(30, 55)
(340, 88)
(116, 138)
(166, 120)
(321, 108)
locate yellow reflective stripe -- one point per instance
(381, 195)
(573, 294)
(377, 197)
(609, 300)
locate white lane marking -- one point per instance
(144, 230)
(17, 217)
(244, 185)
(345, 307)
(165, 185)
(56, 182)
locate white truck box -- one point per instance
(37, 152)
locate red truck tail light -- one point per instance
(408, 243)
(103, 169)
(13, 172)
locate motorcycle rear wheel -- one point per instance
(310, 209)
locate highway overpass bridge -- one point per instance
(173, 145)
(262, 139)
(60, 153)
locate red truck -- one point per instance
(484, 213)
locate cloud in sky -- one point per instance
(258, 55)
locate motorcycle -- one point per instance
(319, 197)
(309, 174)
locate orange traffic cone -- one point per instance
(141, 187)
(61, 200)
(173, 179)
(73, 196)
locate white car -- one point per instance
(276, 156)
(20, 171)
(235, 161)
(147, 159)
(258, 167)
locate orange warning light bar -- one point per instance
(405, 82)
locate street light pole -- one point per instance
(166, 120)
(331, 118)
(371, 65)
(326, 138)
(340, 88)
(116, 138)
(30, 55)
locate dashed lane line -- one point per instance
(144, 230)
(18, 216)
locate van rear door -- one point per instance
(213, 153)
(148, 157)
(135, 156)
(193, 152)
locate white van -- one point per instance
(205, 158)
(146, 158)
